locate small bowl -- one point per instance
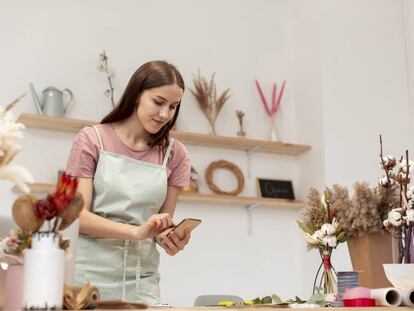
(400, 274)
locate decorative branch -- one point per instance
(110, 74)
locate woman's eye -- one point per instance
(173, 107)
(157, 103)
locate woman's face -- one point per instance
(157, 106)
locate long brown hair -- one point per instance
(151, 74)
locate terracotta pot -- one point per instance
(368, 254)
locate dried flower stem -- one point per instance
(14, 102)
(103, 66)
(387, 174)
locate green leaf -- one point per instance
(298, 300)
(317, 299)
(304, 227)
(276, 298)
(342, 237)
(267, 299)
(257, 301)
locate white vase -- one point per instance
(43, 273)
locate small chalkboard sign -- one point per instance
(277, 189)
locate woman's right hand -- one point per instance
(156, 224)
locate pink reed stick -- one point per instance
(274, 99)
(280, 96)
(263, 99)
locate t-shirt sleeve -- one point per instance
(84, 154)
(180, 166)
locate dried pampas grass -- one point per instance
(365, 211)
(206, 96)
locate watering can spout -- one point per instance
(35, 98)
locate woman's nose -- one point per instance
(164, 112)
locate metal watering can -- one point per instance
(52, 103)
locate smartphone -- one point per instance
(187, 223)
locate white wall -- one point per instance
(346, 81)
(365, 91)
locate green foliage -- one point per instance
(304, 227)
(266, 300)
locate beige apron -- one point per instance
(128, 191)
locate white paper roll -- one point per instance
(389, 297)
(407, 295)
(43, 273)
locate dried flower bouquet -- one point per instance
(323, 232)
(206, 96)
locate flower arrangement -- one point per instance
(12, 246)
(10, 131)
(400, 219)
(272, 109)
(110, 74)
(59, 209)
(206, 96)
(323, 232)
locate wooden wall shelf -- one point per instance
(73, 125)
(198, 198)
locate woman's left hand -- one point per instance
(171, 243)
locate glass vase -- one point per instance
(273, 131)
(326, 279)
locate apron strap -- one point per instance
(99, 137)
(126, 247)
(167, 153)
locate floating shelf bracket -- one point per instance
(249, 209)
(249, 154)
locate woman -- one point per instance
(130, 172)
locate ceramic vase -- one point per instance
(43, 273)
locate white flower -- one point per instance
(317, 235)
(329, 241)
(101, 67)
(389, 161)
(110, 73)
(403, 165)
(328, 229)
(410, 214)
(384, 181)
(311, 239)
(108, 92)
(394, 218)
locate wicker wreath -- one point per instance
(228, 166)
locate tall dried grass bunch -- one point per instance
(361, 214)
(206, 96)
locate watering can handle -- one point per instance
(69, 100)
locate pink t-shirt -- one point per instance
(85, 154)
